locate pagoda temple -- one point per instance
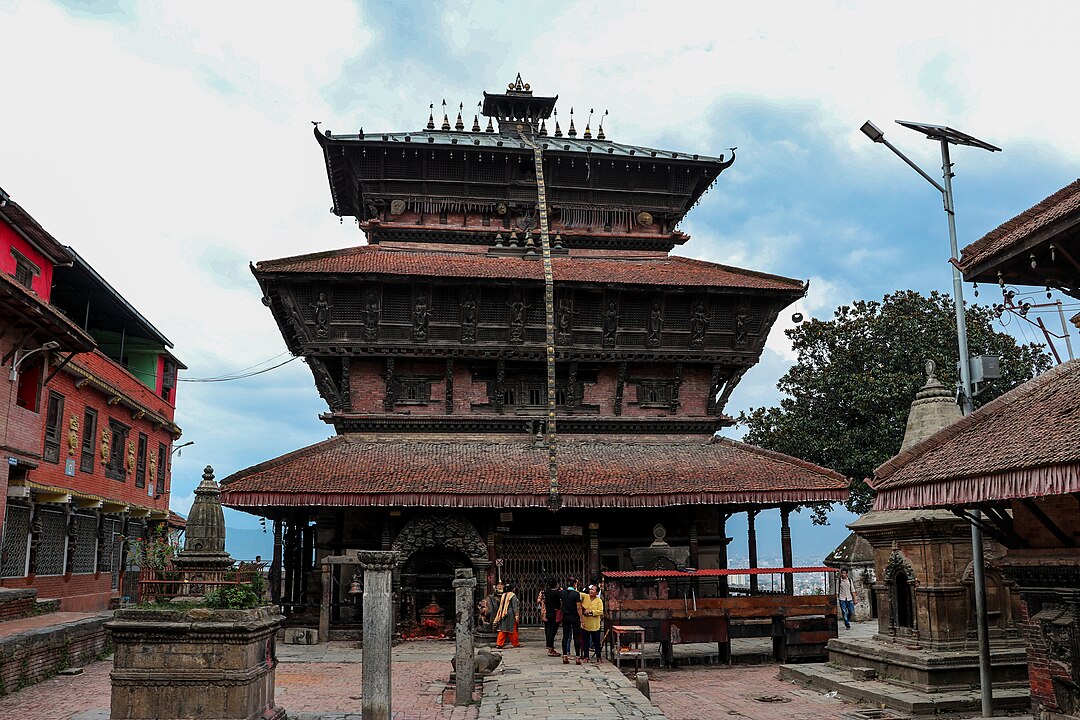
(521, 377)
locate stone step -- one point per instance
(823, 677)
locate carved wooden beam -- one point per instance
(390, 398)
(1047, 523)
(450, 386)
(676, 386)
(620, 384)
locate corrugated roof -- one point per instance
(671, 270)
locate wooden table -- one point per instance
(627, 641)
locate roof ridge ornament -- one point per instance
(588, 124)
(459, 126)
(445, 119)
(519, 87)
(572, 132)
(431, 116)
(600, 131)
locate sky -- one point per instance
(171, 144)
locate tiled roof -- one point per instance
(349, 470)
(423, 138)
(1016, 230)
(24, 222)
(669, 270)
(1026, 441)
(15, 299)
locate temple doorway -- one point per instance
(529, 561)
(902, 600)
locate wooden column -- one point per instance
(785, 548)
(751, 542)
(275, 566)
(694, 556)
(722, 556)
(290, 562)
(594, 553)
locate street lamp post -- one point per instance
(946, 136)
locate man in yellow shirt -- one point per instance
(591, 610)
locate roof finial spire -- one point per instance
(572, 132)
(558, 130)
(543, 127)
(588, 131)
(600, 131)
(476, 123)
(431, 116)
(490, 128)
(459, 126)
(445, 119)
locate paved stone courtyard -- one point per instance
(324, 682)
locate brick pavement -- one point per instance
(719, 691)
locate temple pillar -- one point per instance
(378, 566)
(785, 548)
(324, 602)
(594, 553)
(722, 555)
(275, 566)
(464, 671)
(491, 561)
(694, 557)
(751, 545)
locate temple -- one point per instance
(521, 377)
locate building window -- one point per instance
(140, 464)
(16, 541)
(162, 457)
(29, 389)
(116, 468)
(84, 558)
(89, 435)
(413, 391)
(531, 392)
(54, 419)
(654, 393)
(25, 270)
(52, 546)
(168, 380)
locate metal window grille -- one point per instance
(110, 537)
(54, 418)
(86, 458)
(397, 304)
(85, 557)
(530, 561)
(16, 541)
(140, 464)
(162, 457)
(52, 549)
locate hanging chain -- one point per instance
(554, 501)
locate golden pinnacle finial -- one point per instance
(431, 116)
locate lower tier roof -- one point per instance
(349, 470)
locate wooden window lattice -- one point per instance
(16, 541)
(163, 458)
(89, 437)
(116, 468)
(54, 420)
(140, 463)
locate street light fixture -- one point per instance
(21, 355)
(948, 136)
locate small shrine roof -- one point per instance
(669, 270)
(855, 550)
(1023, 444)
(349, 470)
(1016, 235)
(504, 141)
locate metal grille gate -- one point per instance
(529, 561)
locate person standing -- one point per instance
(592, 611)
(845, 593)
(506, 618)
(571, 622)
(551, 600)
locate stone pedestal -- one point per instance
(200, 663)
(464, 587)
(378, 568)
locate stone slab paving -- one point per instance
(529, 684)
(48, 620)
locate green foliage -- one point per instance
(154, 553)
(233, 597)
(847, 397)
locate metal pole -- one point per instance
(966, 407)
(1065, 330)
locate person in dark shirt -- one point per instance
(571, 622)
(551, 599)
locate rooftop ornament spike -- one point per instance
(558, 130)
(543, 128)
(572, 132)
(490, 127)
(459, 125)
(445, 122)
(600, 131)
(588, 129)
(431, 116)
(519, 87)
(476, 123)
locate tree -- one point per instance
(846, 399)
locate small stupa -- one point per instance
(204, 544)
(934, 408)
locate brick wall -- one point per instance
(82, 592)
(32, 656)
(1061, 509)
(1039, 677)
(16, 604)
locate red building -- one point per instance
(87, 423)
